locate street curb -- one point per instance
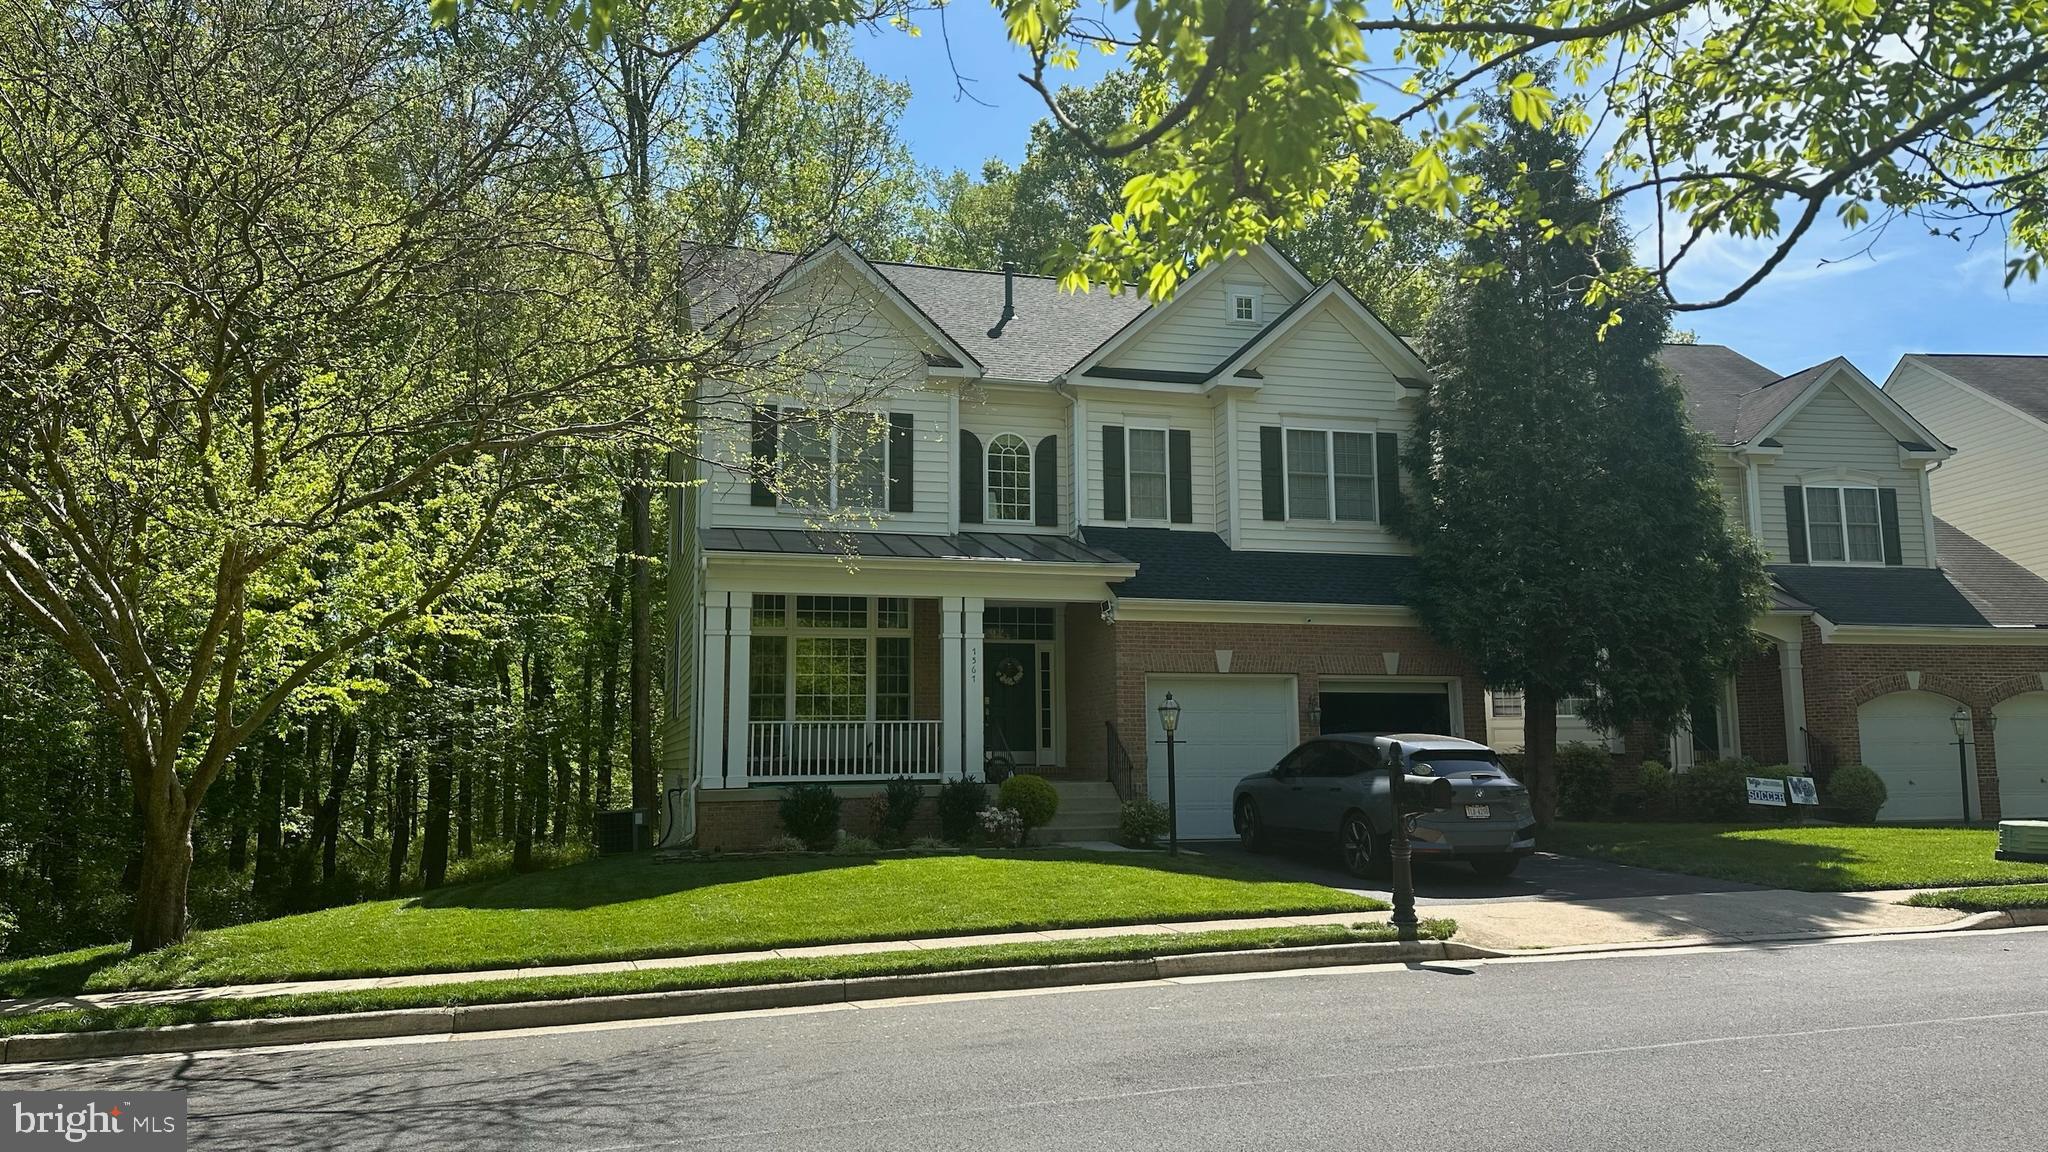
(465, 1020)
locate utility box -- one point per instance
(628, 830)
(2025, 840)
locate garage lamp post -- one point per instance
(1169, 720)
(1960, 720)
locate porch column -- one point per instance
(710, 714)
(952, 763)
(740, 627)
(973, 696)
(1792, 682)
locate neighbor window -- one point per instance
(1843, 525)
(1507, 704)
(1009, 479)
(1329, 475)
(1146, 467)
(1244, 304)
(838, 462)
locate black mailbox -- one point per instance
(1425, 794)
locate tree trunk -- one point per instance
(641, 686)
(465, 785)
(533, 787)
(240, 796)
(163, 880)
(269, 813)
(583, 733)
(608, 692)
(341, 764)
(402, 786)
(1539, 745)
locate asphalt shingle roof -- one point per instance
(1896, 596)
(1052, 331)
(1175, 565)
(1715, 378)
(2021, 381)
(2002, 590)
(1022, 546)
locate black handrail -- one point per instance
(1122, 773)
(1820, 757)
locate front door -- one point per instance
(1011, 687)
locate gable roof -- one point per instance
(2000, 588)
(1052, 330)
(1715, 378)
(1395, 348)
(1740, 402)
(1120, 339)
(837, 249)
(1181, 565)
(2021, 381)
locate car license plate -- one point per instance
(1478, 812)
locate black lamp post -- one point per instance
(1960, 719)
(1169, 719)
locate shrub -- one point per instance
(960, 805)
(784, 844)
(854, 846)
(1003, 826)
(1713, 791)
(810, 812)
(1856, 793)
(1033, 798)
(1141, 824)
(930, 844)
(1585, 782)
(900, 801)
(1653, 791)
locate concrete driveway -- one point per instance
(1544, 876)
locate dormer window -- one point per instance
(1844, 525)
(1242, 303)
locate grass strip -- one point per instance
(750, 972)
(1814, 858)
(1998, 898)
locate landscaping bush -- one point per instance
(1003, 826)
(854, 846)
(1651, 799)
(900, 801)
(960, 805)
(1585, 782)
(784, 844)
(1712, 791)
(810, 812)
(930, 844)
(1033, 798)
(1856, 793)
(1141, 824)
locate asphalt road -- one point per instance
(1543, 876)
(1928, 1043)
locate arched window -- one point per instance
(1009, 479)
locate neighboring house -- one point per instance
(1506, 714)
(1885, 621)
(1997, 407)
(1083, 504)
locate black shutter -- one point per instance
(902, 437)
(764, 455)
(1888, 514)
(1180, 477)
(1272, 474)
(1795, 521)
(970, 477)
(1045, 482)
(1393, 509)
(1112, 472)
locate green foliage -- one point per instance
(901, 799)
(1856, 793)
(855, 846)
(1585, 775)
(1651, 799)
(960, 805)
(810, 812)
(1033, 798)
(1141, 823)
(1713, 790)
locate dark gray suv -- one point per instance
(1333, 790)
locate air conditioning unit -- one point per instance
(2025, 840)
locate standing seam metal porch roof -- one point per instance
(1023, 547)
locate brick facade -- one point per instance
(1760, 707)
(744, 819)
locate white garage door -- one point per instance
(2023, 757)
(1230, 727)
(1909, 740)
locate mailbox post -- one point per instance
(1410, 796)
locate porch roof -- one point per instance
(1027, 547)
(1886, 596)
(1181, 565)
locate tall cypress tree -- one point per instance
(1567, 520)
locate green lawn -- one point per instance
(709, 976)
(1815, 859)
(1994, 899)
(632, 907)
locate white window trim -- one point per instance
(1232, 293)
(792, 632)
(832, 417)
(1166, 451)
(1330, 474)
(1030, 479)
(1841, 487)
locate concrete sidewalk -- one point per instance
(1517, 925)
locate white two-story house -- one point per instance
(1077, 505)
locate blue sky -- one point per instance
(1913, 293)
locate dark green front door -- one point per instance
(1012, 700)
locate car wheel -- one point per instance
(1358, 845)
(1496, 867)
(1250, 834)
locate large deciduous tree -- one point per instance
(1568, 524)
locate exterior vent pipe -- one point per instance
(1009, 299)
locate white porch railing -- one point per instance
(795, 750)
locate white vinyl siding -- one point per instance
(1995, 486)
(1033, 414)
(1192, 414)
(1833, 441)
(1194, 333)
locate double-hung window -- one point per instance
(1147, 470)
(1330, 475)
(836, 461)
(1844, 525)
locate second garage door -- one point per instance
(1909, 741)
(1385, 706)
(2022, 734)
(1230, 727)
